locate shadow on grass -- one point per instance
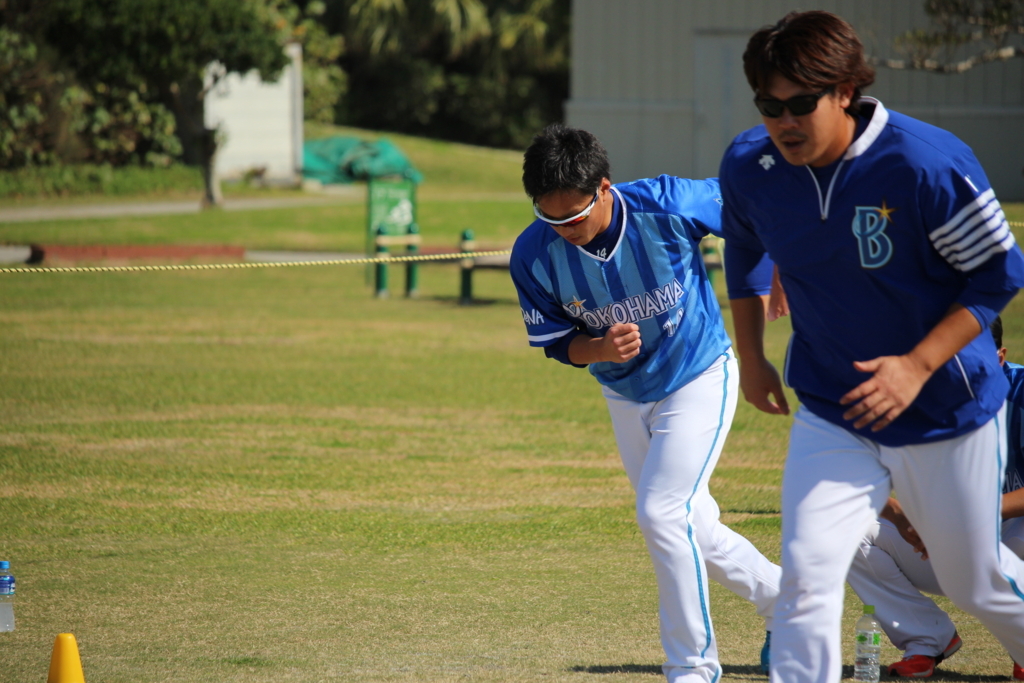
(732, 670)
(247, 661)
(618, 669)
(455, 301)
(754, 672)
(941, 675)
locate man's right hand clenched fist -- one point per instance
(621, 342)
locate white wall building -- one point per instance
(261, 123)
(661, 83)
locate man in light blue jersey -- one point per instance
(895, 256)
(611, 277)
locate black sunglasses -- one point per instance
(797, 106)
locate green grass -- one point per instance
(334, 227)
(465, 187)
(451, 171)
(83, 180)
(301, 485)
(271, 476)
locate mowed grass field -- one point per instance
(268, 475)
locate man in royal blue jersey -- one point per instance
(611, 277)
(888, 573)
(895, 257)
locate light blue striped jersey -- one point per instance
(654, 277)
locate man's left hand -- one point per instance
(895, 383)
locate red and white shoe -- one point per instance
(1018, 671)
(923, 666)
(913, 666)
(951, 649)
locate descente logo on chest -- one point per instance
(629, 310)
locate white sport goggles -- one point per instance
(566, 222)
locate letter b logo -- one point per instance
(869, 224)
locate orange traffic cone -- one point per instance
(65, 664)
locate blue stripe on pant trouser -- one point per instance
(669, 449)
(689, 509)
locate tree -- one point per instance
(324, 82)
(387, 27)
(167, 47)
(487, 72)
(25, 139)
(988, 30)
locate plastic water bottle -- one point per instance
(6, 597)
(869, 647)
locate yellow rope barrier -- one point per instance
(224, 266)
(334, 262)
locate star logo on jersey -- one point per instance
(886, 211)
(766, 161)
(869, 224)
(575, 307)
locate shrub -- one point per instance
(25, 87)
(118, 126)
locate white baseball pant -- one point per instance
(887, 573)
(834, 485)
(669, 449)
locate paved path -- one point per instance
(296, 256)
(16, 254)
(46, 212)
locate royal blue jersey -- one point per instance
(1014, 478)
(907, 226)
(654, 276)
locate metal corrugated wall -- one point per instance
(660, 82)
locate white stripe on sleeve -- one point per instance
(974, 235)
(956, 220)
(981, 245)
(1005, 245)
(549, 337)
(957, 236)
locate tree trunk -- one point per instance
(198, 143)
(208, 163)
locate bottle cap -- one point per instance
(869, 609)
(4, 564)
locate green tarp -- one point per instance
(344, 160)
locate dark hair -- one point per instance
(564, 158)
(816, 50)
(997, 331)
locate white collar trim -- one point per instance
(622, 203)
(879, 118)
